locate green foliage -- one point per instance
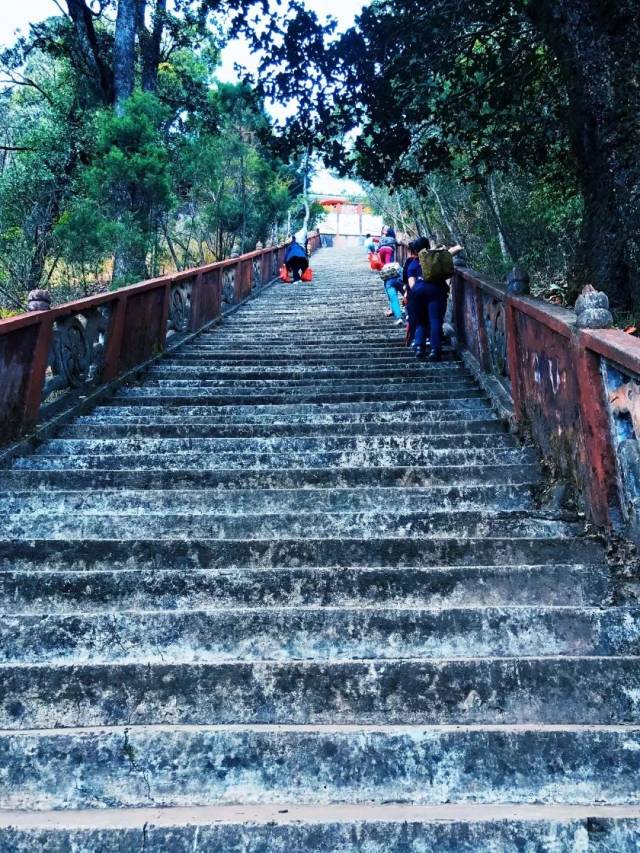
(91, 199)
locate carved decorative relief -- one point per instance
(179, 307)
(77, 352)
(625, 400)
(494, 322)
(229, 285)
(257, 271)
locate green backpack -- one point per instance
(436, 264)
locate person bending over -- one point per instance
(295, 259)
(387, 246)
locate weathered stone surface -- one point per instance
(293, 567)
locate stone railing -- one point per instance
(572, 388)
(50, 359)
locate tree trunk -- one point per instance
(596, 45)
(124, 53)
(507, 250)
(82, 18)
(150, 43)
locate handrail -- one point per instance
(50, 357)
(572, 390)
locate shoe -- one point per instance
(421, 354)
(399, 322)
(388, 313)
(434, 355)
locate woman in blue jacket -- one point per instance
(427, 302)
(295, 259)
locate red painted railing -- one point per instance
(572, 390)
(49, 357)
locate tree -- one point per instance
(546, 87)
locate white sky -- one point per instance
(18, 15)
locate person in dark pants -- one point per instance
(428, 300)
(295, 259)
(414, 247)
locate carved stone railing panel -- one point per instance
(229, 285)
(77, 351)
(495, 326)
(274, 265)
(179, 307)
(257, 271)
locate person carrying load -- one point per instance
(391, 275)
(295, 259)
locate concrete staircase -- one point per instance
(295, 592)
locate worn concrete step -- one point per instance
(167, 368)
(289, 444)
(333, 358)
(155, 395)
(310, 384)
(365, 524)
(347, 828)
(185, 588)
(318, 634)
(417, 413)
(293, 478)
(117, 554)
(183, 766)
(192, 459)
(482, 691)
(251, 501)
(431, 431)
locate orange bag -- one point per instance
(284, 274)
(307, 275)
(376, 262)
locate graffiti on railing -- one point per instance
(77, 351)
(624, 402)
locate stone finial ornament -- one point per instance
(259, 245)
(460, 260)
(518, 282)
(592, 309)
(38, 300)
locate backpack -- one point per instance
(390, 271)
(436, 264)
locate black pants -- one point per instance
(296, 266)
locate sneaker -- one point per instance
(435, 355)
(388, 313)
(421, 354)
(399, 322)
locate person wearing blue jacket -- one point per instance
(295, 259)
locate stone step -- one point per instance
(354, 413)
(343, 358)
(251, 501)
(168, 369)
(367, 524)
(328, 634)
(480, 691)
(194, 395)
(295, 388)
(119, 554)
(288, 444)
(293, 478)
(194, 460)
(348, 828)
(191, 766)
(189, 588)
(431, 431)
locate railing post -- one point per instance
(37, 373)
(114, 340)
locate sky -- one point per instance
(18, 15)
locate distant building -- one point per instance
(347, 221)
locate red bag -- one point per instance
(284, 274)
(307, 275)
(376, 263)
